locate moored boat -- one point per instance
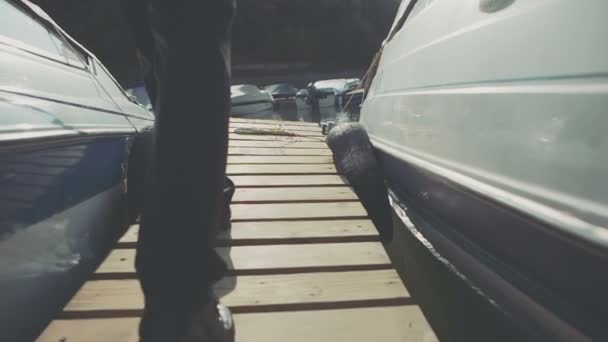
(67, 153)
(489, 120)
(249, 101)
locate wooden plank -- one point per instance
(283, 231)
(310, 256)
(262, 121)
(280, 160)
(286, 180)
(309, 288)
(243, 229)
(257, 137)
(274, 122)
(278, 144)
(92, 330)
(272, 258)
(251, 169)
(285, 129)
(249, 292)
(277, 124)
(297, 211)
(268, 151)
(286, 125)
(334, 193)
(390, 324)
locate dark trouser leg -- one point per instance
(175, 260)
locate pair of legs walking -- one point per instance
(186, 44)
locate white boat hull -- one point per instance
(512, 104)
(490, 123)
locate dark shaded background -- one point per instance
(272, 39)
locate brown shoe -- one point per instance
(212, 324)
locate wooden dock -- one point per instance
(305, 262)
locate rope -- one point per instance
(264, 131)
(276, 132)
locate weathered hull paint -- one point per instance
(62, 207)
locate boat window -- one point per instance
(108, 83)
(23, 30)
(20, 26)
(74, 57)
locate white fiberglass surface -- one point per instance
(20, 26)
(247, 92)
(340, 84)
(516, 99)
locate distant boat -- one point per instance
(338, 85)
(282, 90)
(249, 101)
(490, 119)
(330, 95)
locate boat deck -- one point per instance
(305, 262)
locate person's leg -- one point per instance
(229, 190)
(175, 260)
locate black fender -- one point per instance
(139, 160)
(356, 161)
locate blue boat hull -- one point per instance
(62, 207)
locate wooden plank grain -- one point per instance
(292, 231)
(91, 330)
(304, 257)
(276, 126)
(264, 121)
(289, 130)
(253, 169)
(280, 160)
(244, 228)
(283, 151)
(280, 138)
(297, 211)
(256, 293)
(277, 144)
(390, 324)
(294, 194)
(387, 324)
(271, 258)
(286, 180)
(249, 292)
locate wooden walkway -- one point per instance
(305, 262)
